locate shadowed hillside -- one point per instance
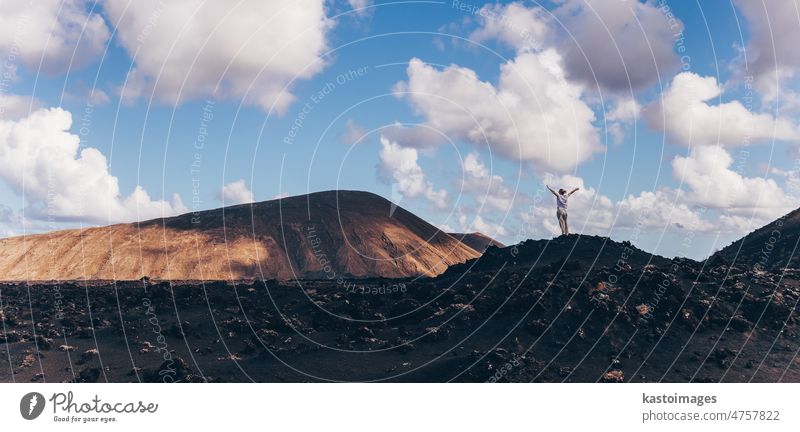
(771, 247)
(478, 241)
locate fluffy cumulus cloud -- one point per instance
(623, 114)
(236, 192)
(661, 209)
(398, 166)
(14, 107)
(489, 189)
(687, 114)
(746, 204)
(532, 115)
(477, 223)
(42, 160)
(711, 177)
(618, 45)
(420, 136)
(248, 50)
(624, 110)
(613, 45)
(521, 27)
(56, 34)
(713, 197)
(537, 112)
(772, 55)
(591, 212)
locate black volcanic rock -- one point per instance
(575, 316)
(771, 247)
(571, 309)
(570, 251)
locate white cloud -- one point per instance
(618, 45)
(353, 133)
(591, 212)
(42, 160)
(772, 54)
(488, 188)
(477, 223)
(533, 114)
(615, 45)
(53, 32)
(714, 197)
(236, 192)
(398, 166)
(246, 50)
(684, 114)
(712, 183)
(660, 209)
(16, 222)
(621, 116)
(361, 7)
(741, 225)
(419, 136)
(15, 107)
(520, 27)
(624, 110)
(791, 179)
(12, 223)
(83, 93)
(98, 97)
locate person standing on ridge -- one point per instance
(561, 207)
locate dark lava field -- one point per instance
(571, 309)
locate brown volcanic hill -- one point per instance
(478, 241)
(771, 247)
(323, 235)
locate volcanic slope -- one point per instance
(771, 247)
(324, 235)
(574, 308)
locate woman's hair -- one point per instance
(562, 191)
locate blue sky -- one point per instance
(495, 99)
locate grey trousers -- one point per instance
(561, 214)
